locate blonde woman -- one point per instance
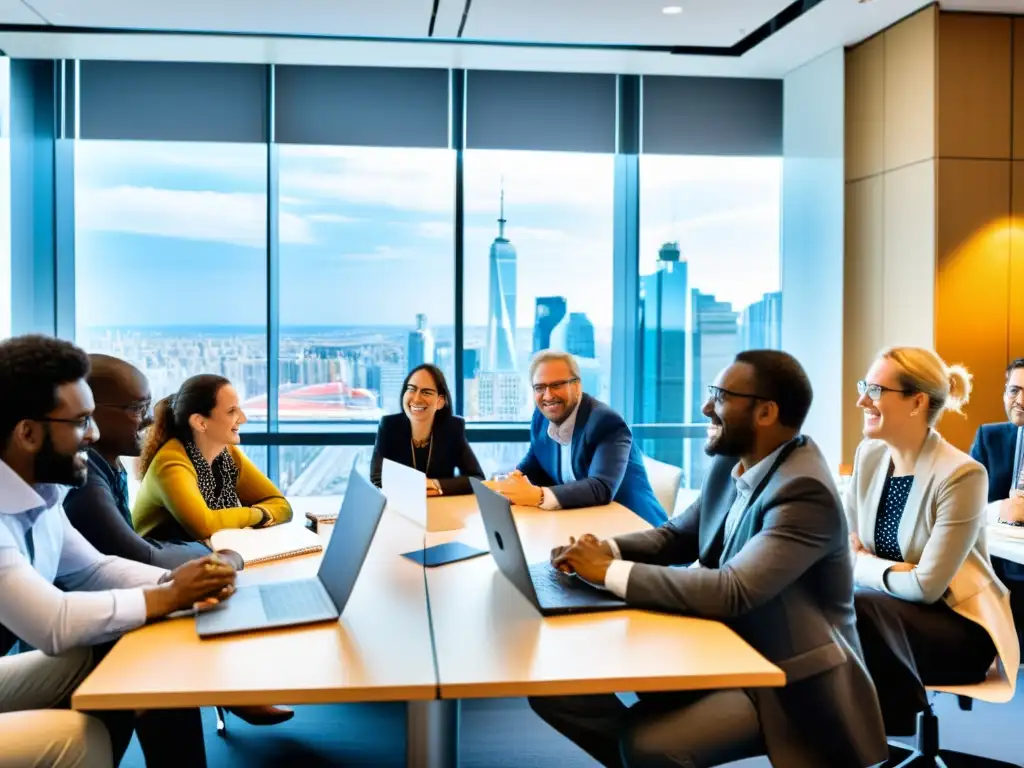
(930, 610)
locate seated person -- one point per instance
(774, 565)
(45, 429)
(99, 509)
(427, 436)
(54, 738)
(926, 595)
(999, 448)
(195, 479)
(581, 452)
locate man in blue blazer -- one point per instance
(581, 453)
(997, 447)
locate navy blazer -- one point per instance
(450, 451)
(994, 447)
(606, 462)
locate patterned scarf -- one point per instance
(222, 473)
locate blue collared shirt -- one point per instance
(39, 548)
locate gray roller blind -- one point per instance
(364, 106)
(711, 116)
(540, 111)
(173, 101)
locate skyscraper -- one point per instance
(715, 342)
(664, 335)
(761, 323)
(549, 313)
(421, 344)
(501, 314)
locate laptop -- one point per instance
(305, 601)
(406, 491)
(552, 592)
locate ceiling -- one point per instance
(573, 35)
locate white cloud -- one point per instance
(330, 218)
(436, 230)
(193, 214)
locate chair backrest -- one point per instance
(664, 479)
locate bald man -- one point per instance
(99, 509)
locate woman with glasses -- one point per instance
(930, 611)
(427, 436)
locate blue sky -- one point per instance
(173, 233)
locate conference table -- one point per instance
(428, 637)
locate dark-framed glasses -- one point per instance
(553, 386)
(875, 391)
(140, 408)
(720, 394)
(83, 422)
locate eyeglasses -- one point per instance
(718, 394)
(427, 393)
(83, 423)
(554, 386)
(874, 391)
(140, 409)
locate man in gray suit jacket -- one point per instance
(774, 564)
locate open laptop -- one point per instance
(553, 593)
(304, 601)
(406, 491)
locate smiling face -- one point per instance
(889, 411)
(421, 400)
(1013, 397)
(732, 431)
(221, 427)
(555, 390)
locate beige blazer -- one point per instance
(943, 533)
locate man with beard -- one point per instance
(769, 540)
(581, 453)
(99, 509)
(46, 428)
(1000, 449)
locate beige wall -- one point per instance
(935, 111)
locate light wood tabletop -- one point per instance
(491, 641)
(380, 650)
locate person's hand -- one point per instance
(1011, 510)
(432, 488)
(206, 580)
(266, 518)
(587, 557)
(901, 567)
(518, 489)
(857, 545)
(232, 558)
(557, 552)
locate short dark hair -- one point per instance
(779, 377)
(1018, 363)
(32, 367)
(442, 388)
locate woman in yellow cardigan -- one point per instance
(196, 481)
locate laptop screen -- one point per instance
(353, 533)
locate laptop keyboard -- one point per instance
(556, 589)
(294, 600)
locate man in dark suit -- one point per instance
(997, 447)
(99, 509)
(581, 453)
(774, 563)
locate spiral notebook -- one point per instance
(263, 545)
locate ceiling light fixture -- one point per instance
(671, 10)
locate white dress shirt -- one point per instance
(617, 577)
(38, 547)
(561, 434)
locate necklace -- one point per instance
(430, 451)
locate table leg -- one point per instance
(432, 733)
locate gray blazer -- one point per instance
(783, 582)
(942, 532)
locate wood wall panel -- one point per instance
(908, 293)
(972, 302)
(909, 89)
(974, 79)
(862, 298)
(1016, 268)
(1018, 89)
(865, 109)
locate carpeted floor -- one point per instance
(504, 732)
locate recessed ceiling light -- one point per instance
(671, 10)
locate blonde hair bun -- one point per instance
(959, 388)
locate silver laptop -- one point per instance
(406, 491)
(304, 601)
